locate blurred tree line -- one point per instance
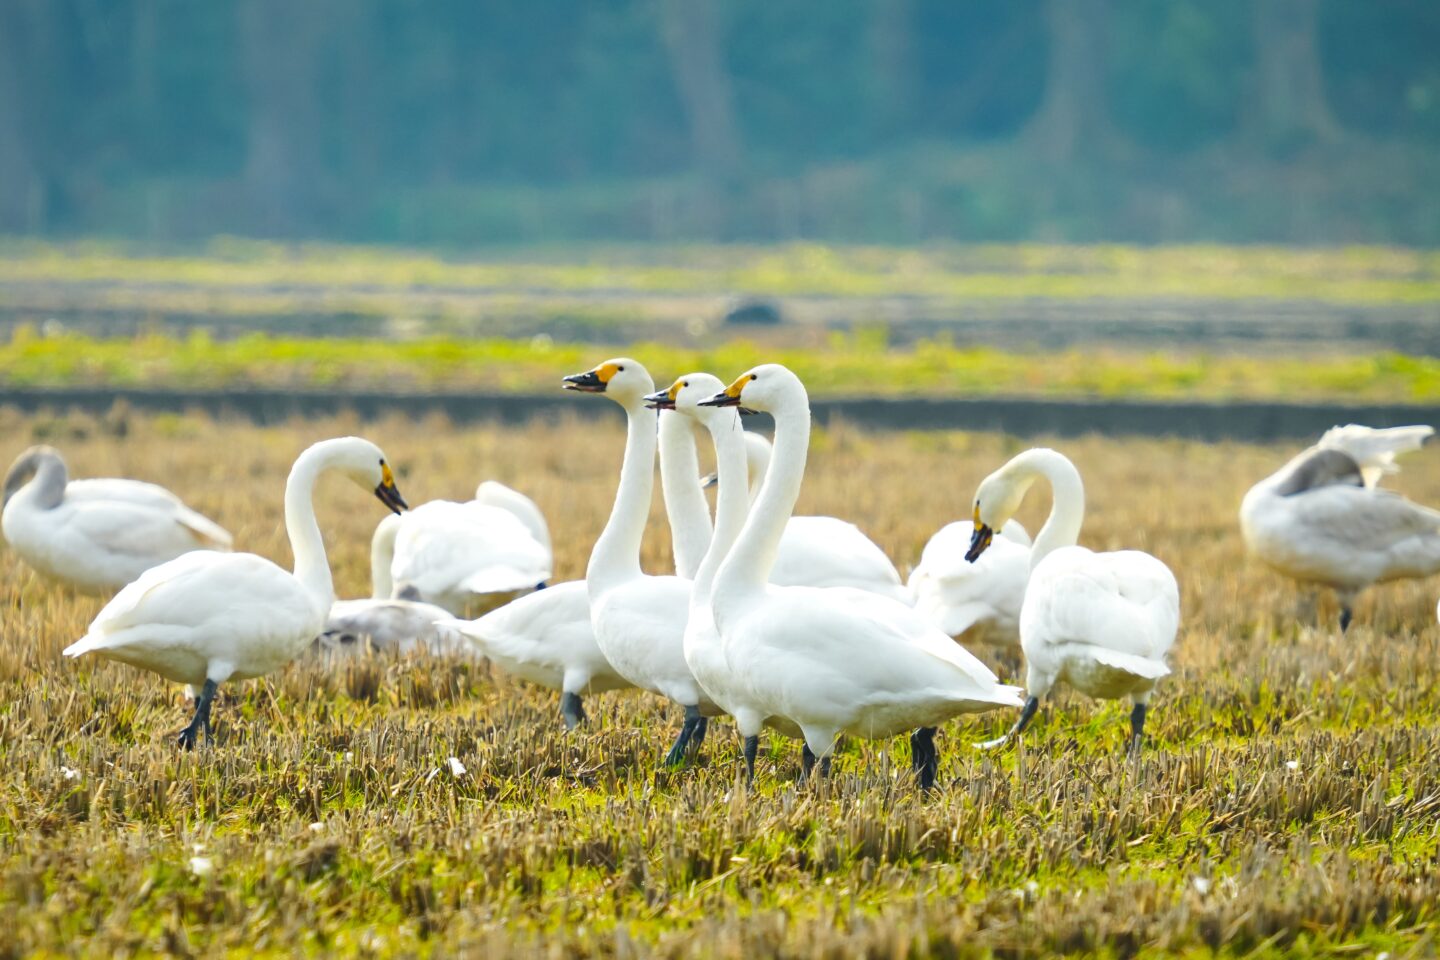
(463, 121)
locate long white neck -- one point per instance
(616, 556)
(732, 501)
(685, 505)
(312, 568)
(748, 567)
(1067, 491)
(46, 489)
(382, 556)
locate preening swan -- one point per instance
(639, 620)
(208, 617)
(980, 600)
(381, 622)
(820, 551)
(704, 651)
(835, 659)
(1101, 622)
(96, 535)
(546, 638)
(454, 554)
(1322, 519)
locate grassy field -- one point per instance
(1287, 804)
(843, 364)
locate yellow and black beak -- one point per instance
(730, 396)
(980, 539)
(587, 382)
(660, 400)
(388, 493)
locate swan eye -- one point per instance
(754, 376)
(685, 383)
(619, 369)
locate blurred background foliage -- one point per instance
(452, 122)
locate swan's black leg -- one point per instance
(201, 720)
(1346, 615)
(676, 756)
(807, 762)
(924, 759)
(1137, 729)
(752, 747)
(572, 710)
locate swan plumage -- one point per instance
(639, 620)
(819, 551)
(980, 600)
(1323, 519)
(453, 554)
(207, 617)
(1103, 623)
(97, 535)
(831, 660)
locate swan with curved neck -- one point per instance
(96, 535)
(1100, 622)
(206, 617)
(973, 601)
(1320, 519)
(836, 659)
(639, 620)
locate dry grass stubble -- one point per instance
(1289, 799)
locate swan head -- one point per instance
(765, 388)
(621, 378)
(26, 466)
(363, 462)
(687, 394)
(1323, 468)
(997, 500)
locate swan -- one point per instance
(1101, 622)
(493, 493)
(639, 620)
(980, 600)
(207, 617)
(380, 621)
(452, 554)
(834, 659)
(820, 551)
(704, 651)
(1322, 519)
(96, 535)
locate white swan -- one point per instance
(836, 659)
(455, 554)
(1321, 518)
(980, 600)
(381, 622)
(96, 535)
(208, 617)
(704, 650)
(639, 620)
(493, 493)
(1101, 622)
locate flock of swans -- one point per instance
(797, 624)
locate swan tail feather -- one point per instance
(1130, 663)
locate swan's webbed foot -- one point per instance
(187, 738)
(924, 758)
(1026, 715)
(752, 747)
(572, 710)
(692, 728)
(807, 762)
(1137, 729)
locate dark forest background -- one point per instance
(898, 121)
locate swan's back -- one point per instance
(493, 493)
(829, 552)
(445, 550)
(1124, 601)
(981, 597)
